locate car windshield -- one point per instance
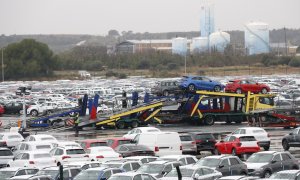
(75, 151)
(43, 147)
(7, 174)
(186, 138)
(96, 144)
(120, 178)
(137, 148)
(45, 155)
(260, 158)
(210, 162)
(283, 176)
(47, 139)
(124, 142)
(203, 136)
(151, 168)
(247, 138)
(88, 175)
(185, 172)
(6, 153)
(52, 173)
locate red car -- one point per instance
(114, 142)
(243, 86)
(237, 144)
(87, 143)
(2, 110)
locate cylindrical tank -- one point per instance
(207, 22)
(257, 38)
(179, 46)
(199, 45)
(218, 41)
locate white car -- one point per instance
(103, 154)
(32, 159)
(10, 139)
(183, 159)
(260, 135)
(42, 137)
(131, 134)
(5, 156)
(131, 176)
(9, 172)
(68, 144)
(32, 146)
(142, 159)
(64, 155)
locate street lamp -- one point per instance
(2, 65)
(22, 91)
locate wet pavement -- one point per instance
(219, 129)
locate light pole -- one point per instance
(185, 64)
(2, 66)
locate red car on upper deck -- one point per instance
(87, 143)
(243, 86)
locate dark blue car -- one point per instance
(193, 83)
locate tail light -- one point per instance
(194, 142)
(31, 162)
(120, 156)
(65, 157)
(98, 157)
(3, 143)
(156, 149)
(268, 135)
(198, 141)
(86, 156)
(180, 147)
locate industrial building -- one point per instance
(139, 46)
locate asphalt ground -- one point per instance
(218, 129)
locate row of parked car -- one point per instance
(145, 153)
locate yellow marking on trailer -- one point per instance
(153, 114)
(200, 114)
(197, 104)
(107, 121)
(158, 120)
(136, 110)
(220, 94)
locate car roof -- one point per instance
(220, 156)
(139, 157)
(159, 162)
(268, 152)
(253, 128)
(91, 140)
(118, 138)
(3, 148)
(100, 148)
(290, 171)
(241, 135)
(15, 168)
(37, 142)
(176, 156)
(22, 177)
(67, 147)
(130, 174)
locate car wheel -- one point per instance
(285, 145)
(134, 124)
(120, 125)
(238, 91)
(165, 93)
(217, 88)
(58, 164)
(34, 113)
(267, 174)
(191, 87)
(243, 173)
(233, 152)
(48, 112)
(266, 148)
(264, 91)
(209, 120)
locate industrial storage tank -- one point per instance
(218, 41)
(199, 45)
(179, 46)
(207, 20)
(257, 38)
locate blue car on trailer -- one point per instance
(193, 83)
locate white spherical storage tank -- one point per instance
(257, 38)
(179, 46)
(199, 45)
(218, 41)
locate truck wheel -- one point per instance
(120, 125)
(134, 124)
(209, 120)
(34, 113)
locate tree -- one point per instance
(113, 32)
(28, 58)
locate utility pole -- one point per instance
(2, 66)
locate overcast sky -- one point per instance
(99, 16)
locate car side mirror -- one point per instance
(14, 159)
(163, 173)
(221, 166)
(13, 149)
(290, 133)
(132, 141)
(273, 161)
(221, 141)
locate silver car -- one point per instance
(189, 145)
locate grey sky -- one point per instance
(99, 16)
